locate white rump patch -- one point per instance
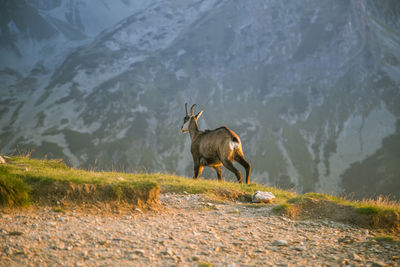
(233, 145)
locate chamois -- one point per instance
(214, 148)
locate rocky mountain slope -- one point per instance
(311, 87)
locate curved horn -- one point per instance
(186, 108)
(191, 109)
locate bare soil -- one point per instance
(185, 230)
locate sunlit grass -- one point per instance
(365, 206)
(13, 190)
(23, 174)
(35, 173)
(381, 201)
(281, 208)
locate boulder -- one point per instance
(262, 197)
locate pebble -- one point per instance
(376, 264)
(139, 252)
(299, 248)
(356, 257)
(280, 242)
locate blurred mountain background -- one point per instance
(312, 87)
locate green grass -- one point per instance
(25, 174)
(377, 213)
(21, 177)
(281, 208)
(13, 190)
(365, 206)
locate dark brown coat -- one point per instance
(214, 148)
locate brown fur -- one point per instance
(213, 148)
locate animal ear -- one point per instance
(199, 114)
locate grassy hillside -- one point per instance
(25, 181)
(22, 179)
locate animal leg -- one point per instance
(246, 165)
(197, 171)
(229, 165)
(218, 169)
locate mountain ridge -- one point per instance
(311, 88)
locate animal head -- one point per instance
(190, 118)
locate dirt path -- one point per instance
(188, 231)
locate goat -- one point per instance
(214, 148)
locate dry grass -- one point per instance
(381, 201)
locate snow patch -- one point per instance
(181, 52)
(360, 138)
(112, 45)
(291, 169)
(180, 74)
(139, 108)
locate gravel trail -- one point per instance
(186, 231)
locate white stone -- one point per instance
(280, 242)
(262, 197)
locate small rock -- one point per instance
(376, 264)
(286, 219)
(299, 248)
(51, 223)
(279, 242)
(262, 197)
(133, 256)
(140, 252)
(62, 219)
(119, 178)
(15, 233)
(195, 258)
(167, 252)
(138, 210)
(347, 240)
(104, 242)
(8, 250)
(2, 160)
(356, 257)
